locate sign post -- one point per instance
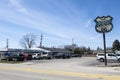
(104, 25)
(104, 42)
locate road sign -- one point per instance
(103, 24)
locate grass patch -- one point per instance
(11, 62)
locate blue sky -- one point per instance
(58, 20)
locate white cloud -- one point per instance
(59, 28)
(88, 23)
(16, 4)
(42, 21)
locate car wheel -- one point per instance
(34, 58)
(118, 60)
(101, 60)
(7, 59)
(14, 59)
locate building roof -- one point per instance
(40, 49)
(24, 50)
(57, 50)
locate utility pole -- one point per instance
(7, 43)
(72, 40)
(41, 38)
(73, 47)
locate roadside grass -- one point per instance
(88, 55)
(11, 62)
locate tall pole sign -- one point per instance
(104, 25)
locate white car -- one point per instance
(109, 56)
(36, 56)
(43, 55)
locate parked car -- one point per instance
(13, 57)
(27, 56)
(118, 55)
(2, 56)
(62, 56)
(42, 55)
(109, 56)
(36, 56)
(76, 55)
(49, 56)
(46, 55)
(21, 57)
(8, 56)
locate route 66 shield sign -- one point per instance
(103, 24)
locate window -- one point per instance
(111, 54)
(118, 54)
(44, 53)
(100, 54)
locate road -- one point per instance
(59, 69)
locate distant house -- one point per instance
(39, 49)
(34, 50)
(102, 51)
(57, 50)
(18, 51)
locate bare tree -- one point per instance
(28, 40)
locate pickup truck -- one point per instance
(109, 56)
(43, 55)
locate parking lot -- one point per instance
(83, 61)
(83, 64)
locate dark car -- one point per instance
(49, 56)
(8, 56)
(76, 55)
(14, 57)
(62, 56)
(29, 56)
(21, 57)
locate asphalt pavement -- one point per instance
(84, 68)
